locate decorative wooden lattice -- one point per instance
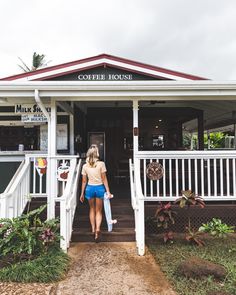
(154, 171)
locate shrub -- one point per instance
(27, 236)
(193, 236)
(164, 215)
(190, 199)
(48, 267)
(216, 228)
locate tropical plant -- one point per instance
(193, 236)
(27, 236)
(216, 228)
(188, 199)
(217, 139)
(164, 215)
(38, 61)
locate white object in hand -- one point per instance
(107, 209)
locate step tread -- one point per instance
(115, 230)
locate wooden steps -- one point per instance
(123, 231)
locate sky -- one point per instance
(195, 37)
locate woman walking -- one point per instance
(94, 186)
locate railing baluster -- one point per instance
(40, 183)
(158, 185)
(144, 177)
(189, 174)
(34, 176)
(202, 178)
(215, 177)
(227, 177)
(209, 177)
(170, 176)
(183, 175)
(151, 185)
(164, 178)
(221, 178)
(177, 177)
(196, 176)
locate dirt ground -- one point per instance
(104, 268)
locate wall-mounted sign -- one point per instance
(154, 171)
(41, 166)
(63, 172)
(105, 77)
(33, 118)
(29, 109)
(62, 137)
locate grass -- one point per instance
(49, 267)
(221, 251)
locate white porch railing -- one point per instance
(28, 181)
(68, 204)
(15, 197)
(48, 185)
(39, 180)
(210, 174)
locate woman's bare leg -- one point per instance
(92, 213)
(98, 218)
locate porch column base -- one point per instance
(140, 229)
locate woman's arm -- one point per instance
(84, 182)
(105, 182)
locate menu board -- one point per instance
(61, 137)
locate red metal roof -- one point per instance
(144, 67)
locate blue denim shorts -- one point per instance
(94, 191)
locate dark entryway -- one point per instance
(160, 128)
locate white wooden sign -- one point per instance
(33, 118)
(29, 109)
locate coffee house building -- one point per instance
(136, 113)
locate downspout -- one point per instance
(40, 104)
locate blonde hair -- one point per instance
(92, 155)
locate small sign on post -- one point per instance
(33, 118)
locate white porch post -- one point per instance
(72, 134)
(235, 136)
(140, 224)
(52, 162)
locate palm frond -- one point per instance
(24, 66)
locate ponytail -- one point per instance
(92, 155)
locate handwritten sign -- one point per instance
(33, 118)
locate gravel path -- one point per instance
(104, 268)
(112, 269)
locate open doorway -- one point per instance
(110, 127)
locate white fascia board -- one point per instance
(97, 62)
(60, 85)
(210, 90)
